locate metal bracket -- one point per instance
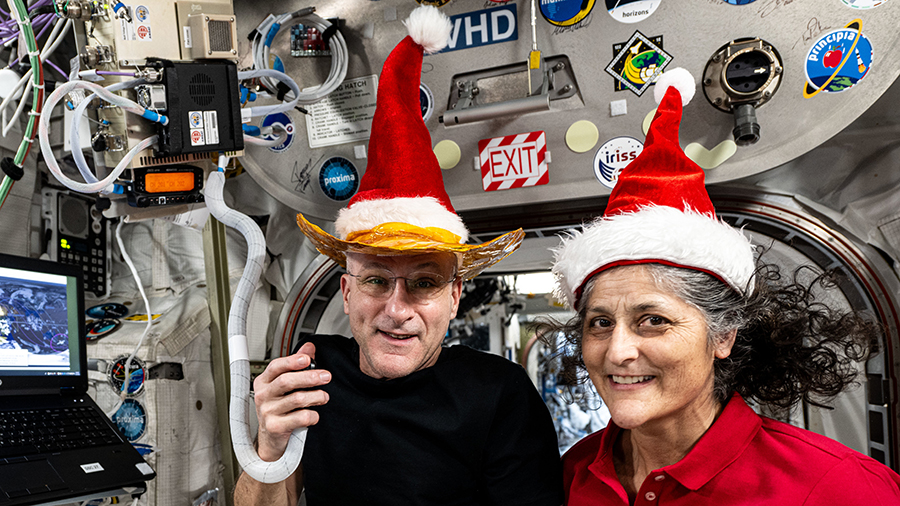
(463, 105)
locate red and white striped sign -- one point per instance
(513, 161)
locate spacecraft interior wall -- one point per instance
(490, 44)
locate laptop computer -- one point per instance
(55, 442)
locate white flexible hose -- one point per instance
(239, 405)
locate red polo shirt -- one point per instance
(742, 459)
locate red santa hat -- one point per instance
(658, 212)
(402, 206)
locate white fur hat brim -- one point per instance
(419, 211)
(654, 234)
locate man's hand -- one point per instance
(283, 394)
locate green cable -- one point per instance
(5, 186)
(34, 57)
(26, 30)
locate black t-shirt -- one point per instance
(469, 430)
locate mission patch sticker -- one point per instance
(838, 60)
(613, 156)
(565, 12)
(131, 419)
(638, 62)
(338, 178)
(631, 11)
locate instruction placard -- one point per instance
(345, 115)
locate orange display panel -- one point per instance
(169, 182)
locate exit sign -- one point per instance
(513, 161)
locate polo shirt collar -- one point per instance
(721, 445)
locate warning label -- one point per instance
(345, 115)
(197, 137)
(143, 32)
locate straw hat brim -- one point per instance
(473, 258)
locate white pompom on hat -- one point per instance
(658, 212)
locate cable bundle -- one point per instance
(265, 33)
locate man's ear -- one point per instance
(345, 292)
(456, 293)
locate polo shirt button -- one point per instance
(660, 477)
(650, 496)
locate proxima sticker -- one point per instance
(131, 419)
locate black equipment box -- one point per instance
(203, 106)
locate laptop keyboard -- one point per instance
(28, 432)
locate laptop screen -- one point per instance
(41, 323)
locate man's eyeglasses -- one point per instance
(419, 285)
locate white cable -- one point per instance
(47, 151)
(337, 45)
(75, 136)
(60, 29)
(239, 405)
(262, 110)
(267, 143)
(137, 279)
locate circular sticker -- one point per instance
(426, 101)
(109, 310)
(138, 375)
(275, 62)
(863, 4)
(613, 156)
(435, 3)
(631, 11)
(131, 419)
(283, 121)
(101, 328)
(338, 178)
(739, 2)
(142, 13)
(838, 60)
(566, 12)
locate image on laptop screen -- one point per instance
(38, 324)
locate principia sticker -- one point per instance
(863, 4)
(131, 419)
(739, 2)
(565, 12)
(631, 11)
(838, 60)
(637, 63)
(613, 156)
